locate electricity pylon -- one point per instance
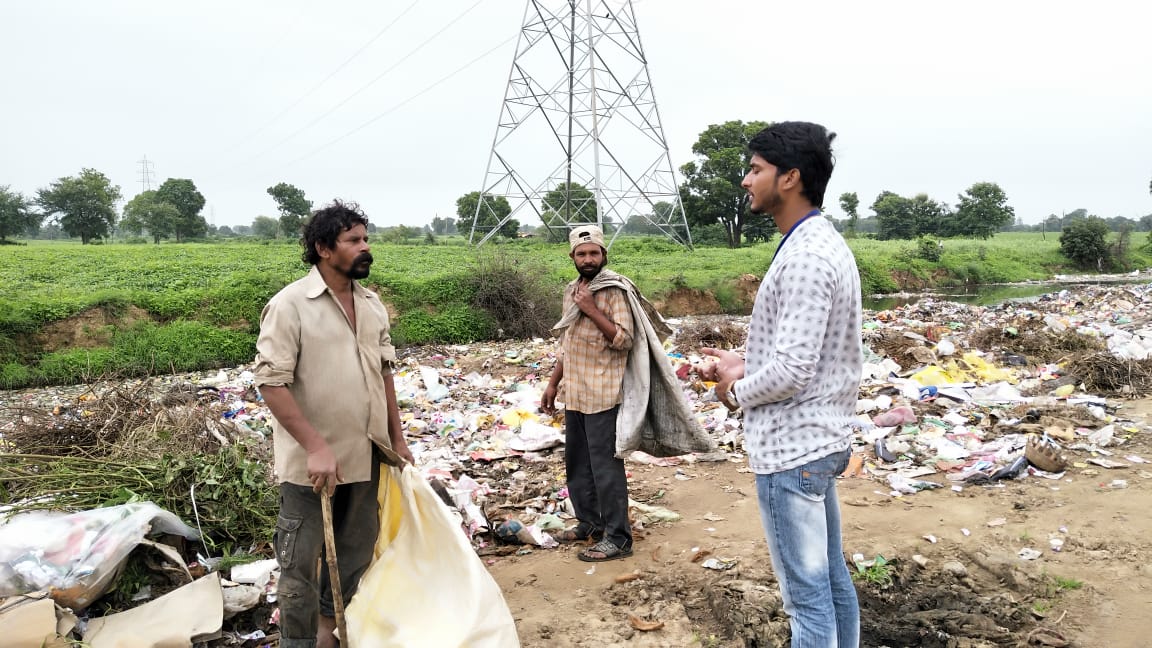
(579, 139)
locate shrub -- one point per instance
(1085, 243)
(516, 295)
(929, 249)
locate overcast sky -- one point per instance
(1052, 100)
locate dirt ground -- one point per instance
(973, 589)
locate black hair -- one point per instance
(326, 225)
(803, 146)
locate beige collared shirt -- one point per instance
(336, 375)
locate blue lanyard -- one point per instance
(814, 212)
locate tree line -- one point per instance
(715, 206)
(84, 206)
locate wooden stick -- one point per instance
(333, 571)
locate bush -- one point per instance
(1085, 243)
(929, 249)
(516, 294)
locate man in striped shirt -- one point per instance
(588, 378)
(801, 382)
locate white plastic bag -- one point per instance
(76, 555)
(426, 587)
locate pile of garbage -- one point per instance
(952, 396)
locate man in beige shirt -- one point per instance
(594, 353)
(323, 366)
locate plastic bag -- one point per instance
(425, 569)
(76, 555)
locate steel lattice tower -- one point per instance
(579, 111)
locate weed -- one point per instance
(878, 572)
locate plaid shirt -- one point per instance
(594, 367)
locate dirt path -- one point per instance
(973, 590)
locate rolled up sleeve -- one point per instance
(387, 349)
(278, 345)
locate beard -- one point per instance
(770, 203)
(360, 267)
(588, 273)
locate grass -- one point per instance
(1064, 583)
(190, 306)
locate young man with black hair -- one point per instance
(324, 367)
(800, 382)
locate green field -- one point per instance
(71, 313)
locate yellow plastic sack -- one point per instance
(426, 586)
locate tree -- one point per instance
(294, 208)
(86, 204)
(494, 209)
(147, 212)
(567, 203)
(929, 216)
(711, 192)
(182, 194)
(662, 212)
(265, 227)
(983, 210)
(439, 226)
(850, 203)
(894, 217)
(16, 215)
(1085, 242)
(225, 232)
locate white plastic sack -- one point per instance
(426, 587)
(76, 555)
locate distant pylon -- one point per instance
(145, 174)
(579, 126)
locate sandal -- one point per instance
(604, 550)
(574, 534)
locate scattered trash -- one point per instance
(720, 564)
(951, 395)
(1029, 553)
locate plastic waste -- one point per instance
(895, 416)
(423, 566)
(76, 556)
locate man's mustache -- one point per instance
(362, 259)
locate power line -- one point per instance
(328, 78)
(372, 82)
(403, 103)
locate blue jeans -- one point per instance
(801, 519)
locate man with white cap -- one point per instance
(594, 351)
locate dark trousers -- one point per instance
(597, 483)
(304, 592)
